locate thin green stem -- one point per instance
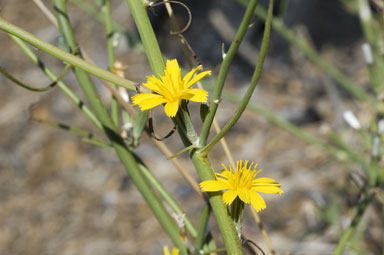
(333, 151)
(348, 233)
(82, 76)
(243, 28)
(214, 251)
(70, 94)
(201, 230)
(255, 78)
(126, 157)
(156, 62)
(167, 197)
(97, 143)
(106, 9)
(279, 26)
(373, 35)
(43, 89)
(226, 225)
(148, 37)
(202, 164)
(83, 133)
(94, 13)
(65, 56)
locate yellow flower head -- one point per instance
(242, 184)
(175, 251)
(170, 89)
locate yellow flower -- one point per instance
(242, 184)
(175, 251)
(170, 89)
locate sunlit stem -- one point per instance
(128, 159)
(224, 70)
(65, 56)
(255, 78)
(70, 94)
(106, 9)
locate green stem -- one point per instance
(83, 133)
(337, 153)
(43, 89)
(167, 197)
(226, 225)
(106, 9)
(373, 35)
(224, 71)
(89, 9)
(312, 55)
(65, 56)
(148, 37)
(126, 157)
(255, 78)
(201, 230)
(24, 47)
(348, 233)
(202, 165)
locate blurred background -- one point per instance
(59, 195)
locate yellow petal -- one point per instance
(245, 195)
(171, 108)
(229, 196)
(197, 78)
(264, 180)
(213, 185)
(154, 84)
(271, 189)
(172, 70)
(166, 250)
(267, 185)
(175, 251)
(147, 101)
(257, 201)
(196, 95)
(189, 75)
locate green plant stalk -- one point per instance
(201, 230)
(202, 165)
(148, 37)
(106, 9)
(167, 197)
(83, 133)
(214, 102)
(226, 225)
(348, 233)
(155, 59)
(125, 156)
(97, 143)
(65, 56)
(27, 87)
(373, 35)
(89, 9)
(293, 129)
(67, 91)
(81, 75)
(255, 78)
(312, 55)
(214, 251)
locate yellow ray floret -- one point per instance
(170, 89)
(242, 183)
(175, 251)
